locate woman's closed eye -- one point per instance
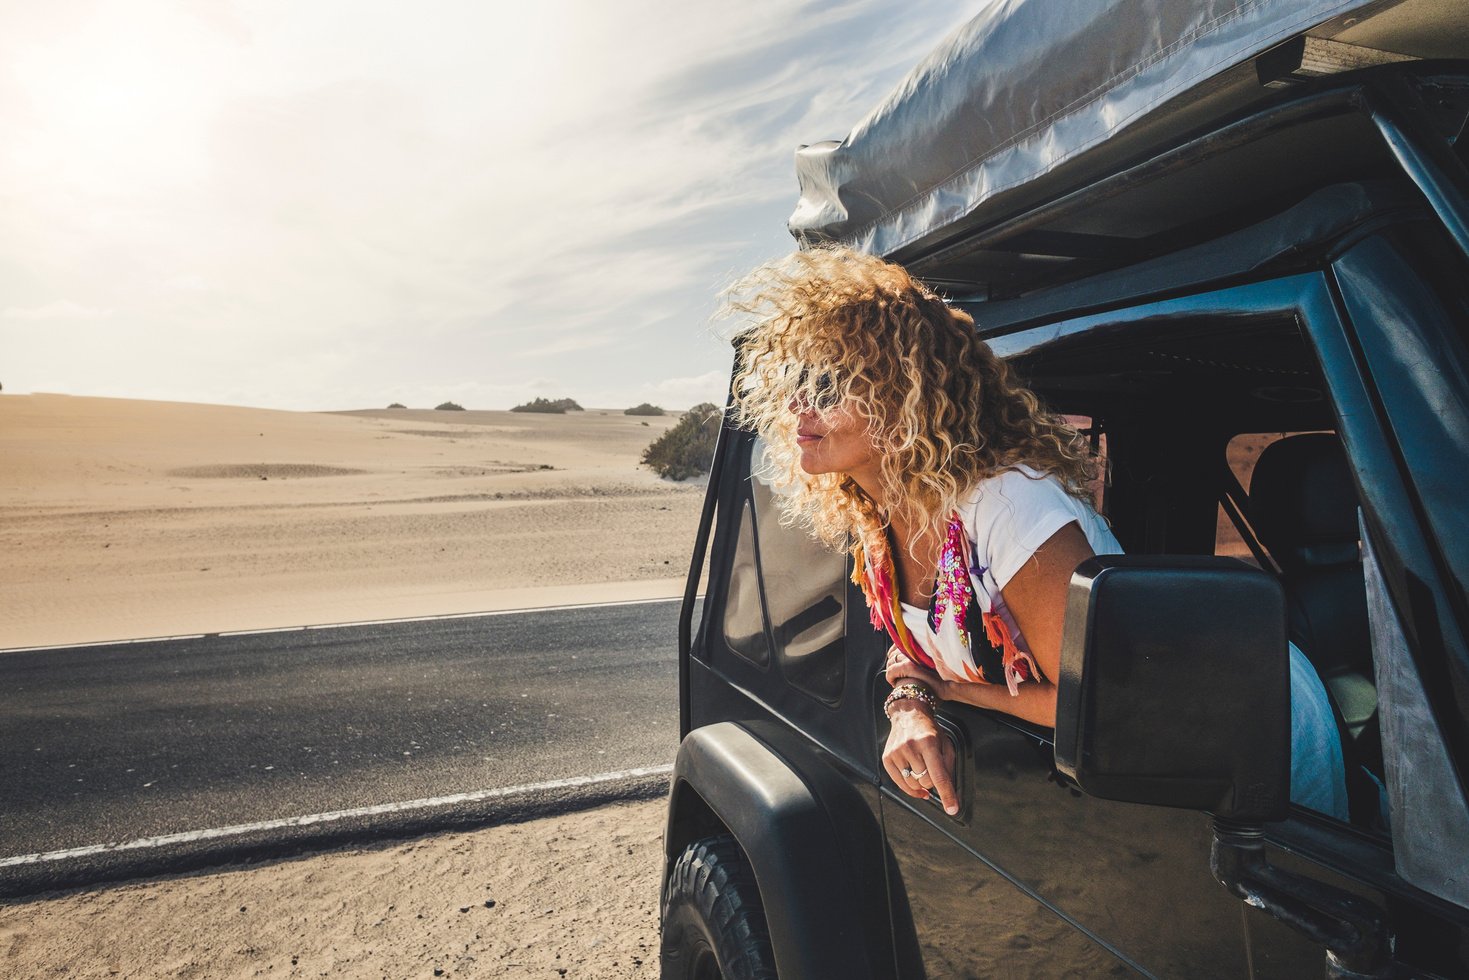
(820, 393)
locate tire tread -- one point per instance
(711, 882)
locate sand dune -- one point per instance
(126, 519)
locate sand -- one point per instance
(140, 519)
(574, 896)
(127, 519)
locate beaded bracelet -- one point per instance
(906, 692)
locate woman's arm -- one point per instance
(1035, 701)
(1036, 597)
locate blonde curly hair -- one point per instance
(831, 326)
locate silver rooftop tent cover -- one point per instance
(1021, 100)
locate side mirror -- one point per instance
(1175, 685)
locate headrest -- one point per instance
(1304, 504)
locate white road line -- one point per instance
(337, 626)
(214, 833)
(106, 643)
(468, 615)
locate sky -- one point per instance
(337, 204)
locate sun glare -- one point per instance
(117, 104)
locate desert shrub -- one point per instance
(448, 407)
(549, 406)
(543, 406)
(401, 405)
(687, 449)
(644, 409)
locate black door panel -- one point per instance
(1136, 876)
(971, 921)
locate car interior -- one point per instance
(1218, 437)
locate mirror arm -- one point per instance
(1352, 929)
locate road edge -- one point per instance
(47, 875)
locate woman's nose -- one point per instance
(806, 416)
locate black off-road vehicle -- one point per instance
(1231, 240)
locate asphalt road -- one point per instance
(117, 743)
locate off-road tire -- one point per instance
(713, 921)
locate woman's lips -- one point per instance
(806, 438)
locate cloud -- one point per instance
(322, 201)
(578, 342)
(684, 392)
(63, 309)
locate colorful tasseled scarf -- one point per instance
(955, 602)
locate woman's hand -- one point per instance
(914, 743)
(918, 758)
(901, 667)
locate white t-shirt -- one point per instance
(1007, 517)
(1012, 514)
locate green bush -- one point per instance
(397, 405)
(644, 409)
(448, 407)
(549, 406)
(687, 449)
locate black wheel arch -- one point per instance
(811, 840)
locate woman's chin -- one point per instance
(811, 463)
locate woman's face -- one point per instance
(835, 441)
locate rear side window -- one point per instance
(805, 586)
(744, 620)
(787, 593)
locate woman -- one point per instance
(899, 434)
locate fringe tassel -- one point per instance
(1019, 667)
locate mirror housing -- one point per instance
(1175, 685)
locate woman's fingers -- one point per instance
(898, 773)
(905, 669)
(936, 762)
(919, 759)
(896, 662)
(908, 782)
(898, 759)
(940, 765)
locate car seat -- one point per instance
(1304, 507)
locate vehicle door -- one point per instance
(1090, 887)
(1083, 874)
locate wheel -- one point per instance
(713, 922)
